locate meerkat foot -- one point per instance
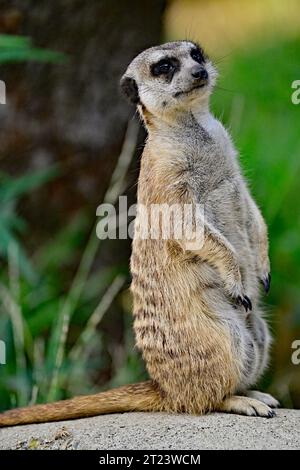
(265, 398)
(246, 406)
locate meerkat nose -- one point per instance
(199, 72)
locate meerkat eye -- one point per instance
(197, 55)
(163, 67)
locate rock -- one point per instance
(159, 431)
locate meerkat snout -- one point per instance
(199, 73)
(166, 79)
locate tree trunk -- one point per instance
(71, 113)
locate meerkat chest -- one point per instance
(218, 135)
(197, 154)
(215, 174)
(212, 158)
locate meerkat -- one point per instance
(197, 315)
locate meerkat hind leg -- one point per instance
(246, 406)
(263, 397)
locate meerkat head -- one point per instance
(175, 76)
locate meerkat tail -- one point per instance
(142, 396)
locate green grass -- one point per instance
(20, 48)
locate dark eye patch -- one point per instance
(197, 55)
(165, 67)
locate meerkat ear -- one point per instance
(130, 89)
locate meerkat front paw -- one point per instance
(266, 282)
(236, 291)
(264, 271)
(245, 301)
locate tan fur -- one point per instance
(199, 345)
(137, 397)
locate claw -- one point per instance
(245, 301)
(271, 414)
(249, 302)
(266, 282)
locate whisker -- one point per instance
(218, 60)
(224, 89)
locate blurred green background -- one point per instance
(68, 143)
